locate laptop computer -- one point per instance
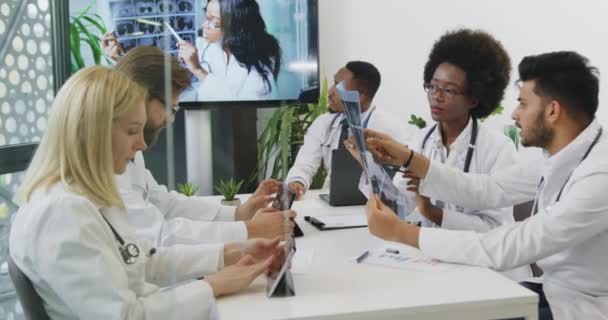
(344, 180)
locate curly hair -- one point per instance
(483, 59)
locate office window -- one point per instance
(26, 93)
(26, 75)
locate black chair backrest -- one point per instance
(31, 302)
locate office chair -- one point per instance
(31, 302)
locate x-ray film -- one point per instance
(374, 174)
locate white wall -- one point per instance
(397, 35)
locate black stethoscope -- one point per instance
(328, 140)
(128, 251)
(559, 195)
(204, 62)
(472, 141)
(469, 156)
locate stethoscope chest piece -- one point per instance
(129, 253)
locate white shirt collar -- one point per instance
(461, 142)
(571, 155)
(364, 116)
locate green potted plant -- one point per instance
(281, 139)
(229, 190)
(417, 121)
(512, 132)
(188, 189)
(88, 28)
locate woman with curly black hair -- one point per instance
(235, 58)
(465, 77)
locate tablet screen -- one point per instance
(284, 198)
(280, 282)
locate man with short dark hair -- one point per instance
(328, 131)
(567, 232)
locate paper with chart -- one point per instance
(344, 220)
(375, 174)
(407, 260)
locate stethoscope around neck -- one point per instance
(128, 251)
(331, 133)
(472, 142)
(204, 62)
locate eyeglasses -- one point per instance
(174, 108)
(432, 88)
(209, 21)
(212, 25)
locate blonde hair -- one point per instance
(76, 148)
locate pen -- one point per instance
(314, 221)
(150, 22)
(393, 251)
(362, 256)
(177, 38)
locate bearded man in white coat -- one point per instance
(567, 232)
(165, 217)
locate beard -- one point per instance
(539, 135)
(151, 134)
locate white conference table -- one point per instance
(334, 287)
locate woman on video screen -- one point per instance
(235, 58)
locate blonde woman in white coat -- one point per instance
(71, 236)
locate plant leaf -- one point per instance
(99, 25)
(83, 12)
(283, 135)
(284, 138)
(90, 39)
(75, 46)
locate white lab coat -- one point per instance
(61, 242)
(322, 138)
(493, 152)
(567, 239)
(167, 218)
(228, 80)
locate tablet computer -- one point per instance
(280, 280)
(284, 198)
(283, 201)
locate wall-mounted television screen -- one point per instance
(239, 52)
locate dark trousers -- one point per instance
(544, 310)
